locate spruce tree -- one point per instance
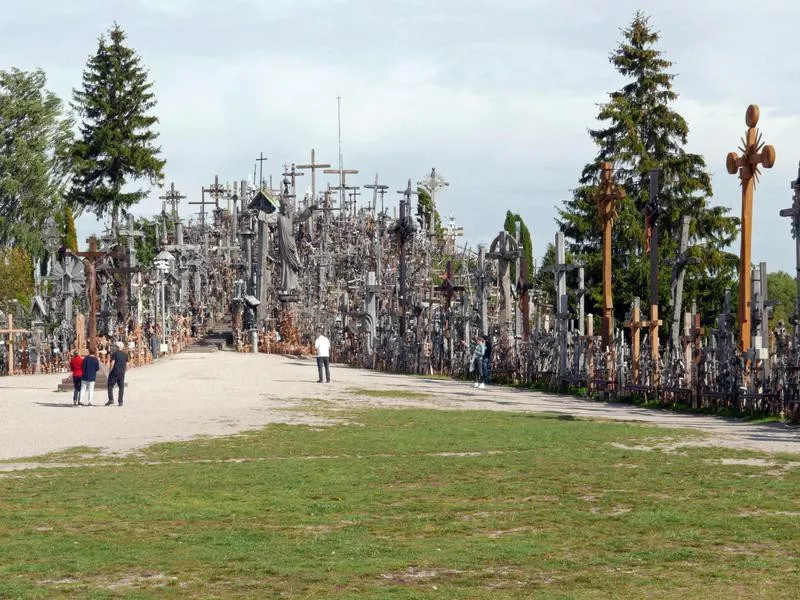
(117, 134)
(509, 225)
(641, 131)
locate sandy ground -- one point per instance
(222, 393)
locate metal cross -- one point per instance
(173, 196)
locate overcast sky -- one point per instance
(496, 94)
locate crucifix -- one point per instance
(405, 232)
(607, 197)
(377, 189)
(794, 213)
(292, 175)
(431, 184)
(755, 153)
(10, 332)
(173, 196)
(92, 256)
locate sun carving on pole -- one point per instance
(754, 151)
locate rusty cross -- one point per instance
(448, 287)
(607, 197)
(755, 153)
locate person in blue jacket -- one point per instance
(90, 368)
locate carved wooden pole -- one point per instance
(607, 197)
(754, 154)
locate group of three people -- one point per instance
(84, 375)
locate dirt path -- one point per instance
(223, 393)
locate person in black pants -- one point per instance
(116, 375)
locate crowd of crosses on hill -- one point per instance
(265, 268)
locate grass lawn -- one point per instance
(408, 504)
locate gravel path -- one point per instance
(222, 393)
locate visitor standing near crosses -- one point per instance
(90, 368)
(322, 346)
(76, 366)
(116, 375)
(477, 361)
(487, 360)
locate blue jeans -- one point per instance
(485, 363)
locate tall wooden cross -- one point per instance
(635, 324)
(652, 212)
(260, 160)
(313, 166)
(10, 332)
(794, 213)
(92, 255)
(755, 153)
(173, 196)
(607, 197)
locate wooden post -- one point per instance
(607, 197)
(754, 154)
(635, 325)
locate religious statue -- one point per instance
(290, 260)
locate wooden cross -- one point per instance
(92, 256)
(652, 211)
(377, 189)
(353, 194)
(292, 174)
(754, 154)
(342, 187)
(173, 196)
(260, 160)
(10, 331)
(607, 197)
(448, 287)
(313, 166)
(635, 324)
(696, 334)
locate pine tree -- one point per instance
(117, 135)
(643, 132)
(527, 245)
(34, 143)
(70, 233)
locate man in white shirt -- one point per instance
(322, 346)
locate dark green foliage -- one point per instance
(527, 245)
(117, 135)
(34, 142)
(70, 234)
(147, 246)
(424, 208)
(642, 132)
(781, 288)
(16, 277)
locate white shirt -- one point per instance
(322, 345)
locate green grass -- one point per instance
(389, 393)
(409, 504)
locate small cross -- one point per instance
(173, 196)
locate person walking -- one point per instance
(116, 375)
(90, 367)
(477, 359)
(487, 360)
(322, 346)
(76, 366)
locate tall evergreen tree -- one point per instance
(34, 145)
(117, 134)
(642, 132)
(509, 225)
